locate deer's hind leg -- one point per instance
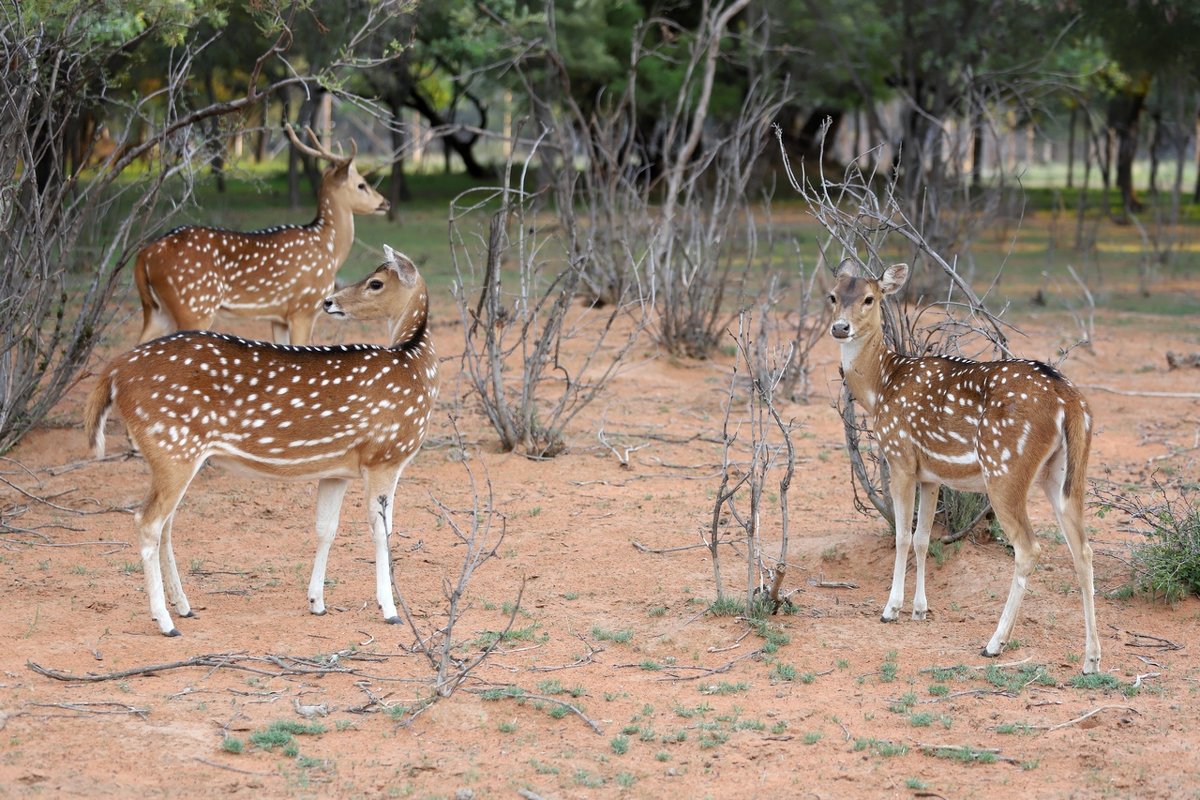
(1009, 496)
(1069, 512)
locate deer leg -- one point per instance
(381, 491)
(330, 492)
(300, 327)
(279, 332)
(902, 506)
(1014, 519)
(174, 587)
(1069, 511)
(154, 515)
(927, 494)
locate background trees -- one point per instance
(112, 109)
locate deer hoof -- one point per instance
(320, 613)
(392, 620)
(984, 652)
(886, 618)
(189, 615)
(919, 616)
(173, 632)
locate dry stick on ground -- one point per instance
(215, 661)
(1082, 717)
(1129, 393)
(234, 769)
(712, 671)
(97, 707)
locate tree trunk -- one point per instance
(1071, 147)
(261, 138)
(463, 148)
(1196, 139)
(1124, 115)
(398, 191)
(1156, 143)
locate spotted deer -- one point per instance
(283, 412)
(279, 274)
(993, 426)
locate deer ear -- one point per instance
(400, 264)
(848, 269)
(893, 278)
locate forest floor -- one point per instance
(672, 701)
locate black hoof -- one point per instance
(392, 620)
(886, 620)
(189, 615)
(986, 654)
(173, 632)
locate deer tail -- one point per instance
(95, 413)
(1077, 433)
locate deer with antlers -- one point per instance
(998, 427)
(279, 274)
(283, 412)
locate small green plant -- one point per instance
(570, 595)
(922, 719)
(880, 747)
(542, 768)
(688, 713)
(586, 779)
(965, 754)
(1097, 680)
(557, 711)
(916, 784)
(812, 737)
(782, 672)
(843, 663)
(887, 671)
(726, 607)
(604, 635)
(620, 745)
(650, 665)
(658, 611)
(939, 689)
(662, 755)
(724, 687)
(1023, 728)
(1167, 563)
(508, 726)
(710, 739)
(551, 687)
(903, 703)
(231, 744)
(625, 779)
(280, 734)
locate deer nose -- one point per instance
(328, 302)
(840, 329)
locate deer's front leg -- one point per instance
(330, 492)
(902, 506)
(927, 493)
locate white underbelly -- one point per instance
(308, 472)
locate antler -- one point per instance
(319, 151)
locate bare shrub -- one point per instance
(769, 451)
(514, 355)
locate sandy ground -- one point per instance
(824, 702)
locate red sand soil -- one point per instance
(689, 705)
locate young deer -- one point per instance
(995, 426)
(279, 274)
(279, 411)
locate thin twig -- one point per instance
(1091, 713)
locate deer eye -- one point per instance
(868, 300)
(362, 186)
(832, 299)
(375, 284)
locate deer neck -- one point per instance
(865, 361)
(336, 223)
(411, 328)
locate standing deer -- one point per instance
(995, 426)
(279, 411)
(279, 274)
